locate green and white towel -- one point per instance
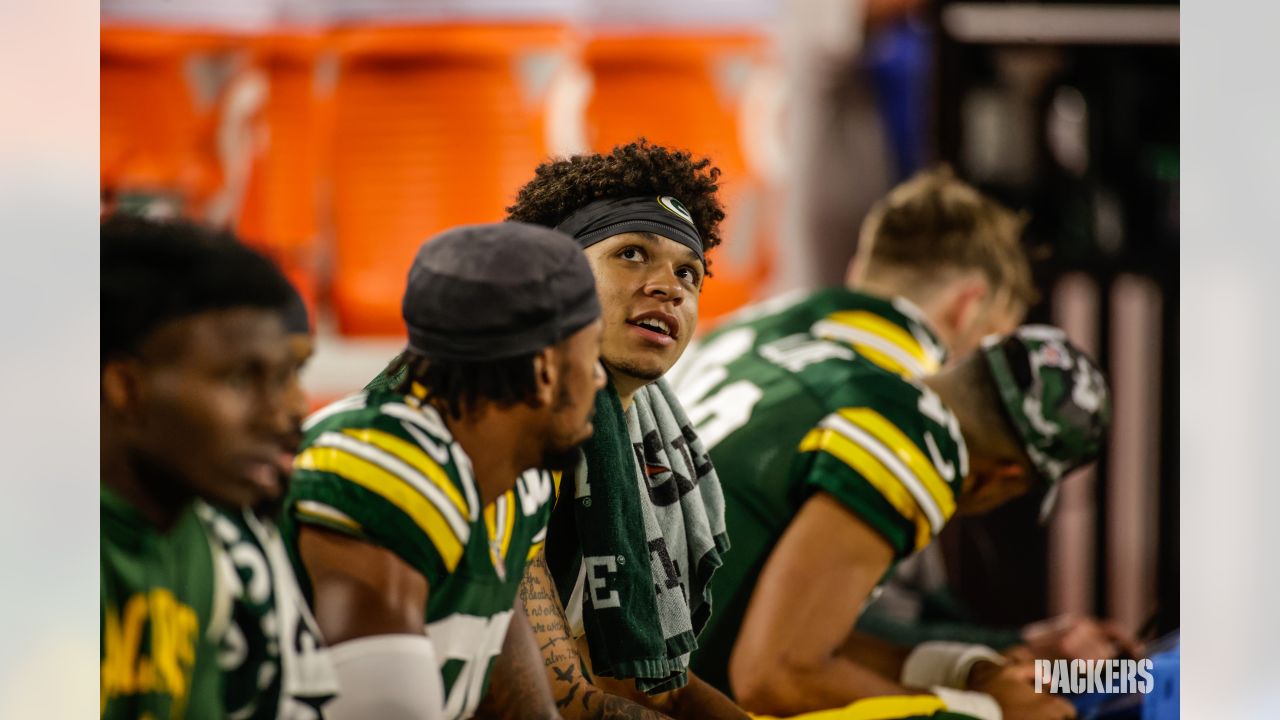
(634, 546)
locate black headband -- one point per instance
(664, 216)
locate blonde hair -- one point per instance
(934, 222)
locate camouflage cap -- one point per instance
(1054, 396)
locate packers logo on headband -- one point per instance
(676, 208)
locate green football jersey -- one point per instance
(160, 611)
(818, 393)
(382, 467)
(272, 655)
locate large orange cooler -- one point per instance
(434, 126)
(684, 89)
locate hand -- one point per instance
(1074, 637)
(1019, 654)
(1010, 686)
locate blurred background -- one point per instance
(336, 135)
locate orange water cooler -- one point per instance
(435, 125)
(685, 89)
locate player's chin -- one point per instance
(561, 459)
(248, 490)
(647, 364)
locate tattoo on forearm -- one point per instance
(546, 617)
(572, 683)
(568, 696)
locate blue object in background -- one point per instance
(898, 59)
(1164, 702)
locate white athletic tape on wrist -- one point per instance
(945, 663)
(968, 702)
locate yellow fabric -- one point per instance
(882, 360)
(875, 473)
(888, 707)
(897, 441)
(416, 457)
(393, 489)
(533, 552)
(887, 329)
(491, 522)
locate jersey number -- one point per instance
(475, 641)
(716, 415)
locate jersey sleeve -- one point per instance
(899, 472)
(386, 479)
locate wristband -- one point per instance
(945, 663)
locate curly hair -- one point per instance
(562, 186)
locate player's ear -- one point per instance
(855, 273)
(545, 375)
(121, 389)
(967, 301)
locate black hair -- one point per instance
(561, 187)
(457, 387)
(154, 272)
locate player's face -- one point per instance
(301, 348)
(214, 409)
(580, 377)
(648, 288)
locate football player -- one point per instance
(272, 655)
(646, 216)
(840, 458)
(194, 401)
(416, 505)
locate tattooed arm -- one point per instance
(518, 689)
(575, 694)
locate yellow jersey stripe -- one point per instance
(510, 515)
(534, 549)
(882, 359)
(416, 457)
(500, 519)
(862, 339)
(887, 329)
(490, 523)
(874, 472)
(897, 441)
(391, 488)
(875, 708)
(403, 470)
